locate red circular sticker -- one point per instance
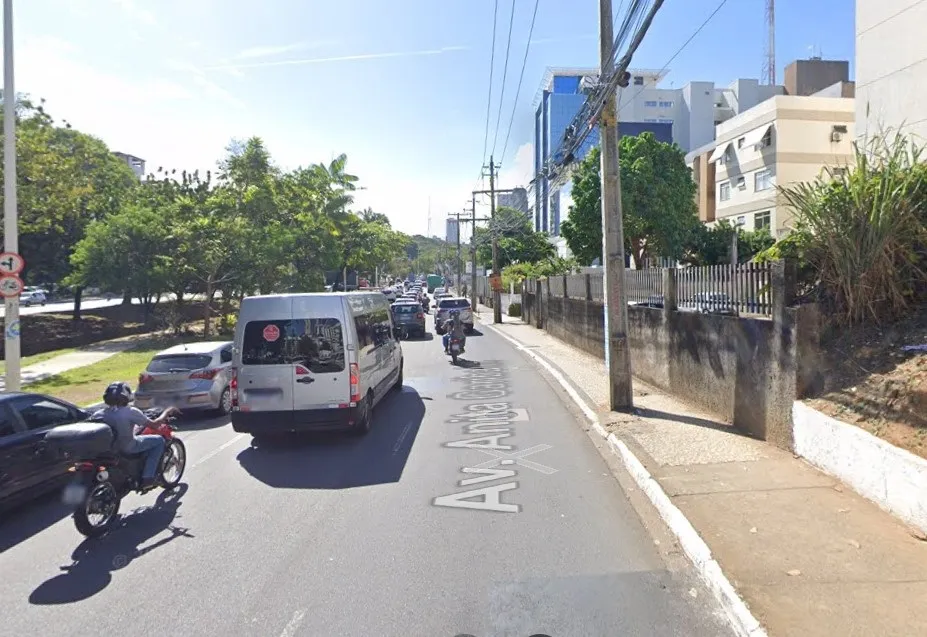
(271, 333)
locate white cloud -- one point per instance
(136, 11)
(520, 171)
(270, 51)
(342, 58)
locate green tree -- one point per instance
(712, 246)
(517, 241)
(658, 200)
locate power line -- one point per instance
(492, 63)
(505, 70)
(521, 77)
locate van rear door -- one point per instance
(265, 375)
(321, 375)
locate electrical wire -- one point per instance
(521, 77)
(505, 71)
(492, 64)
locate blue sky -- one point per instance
(398, 85)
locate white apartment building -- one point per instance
(891, 66)
(785, 140)
(694, 110)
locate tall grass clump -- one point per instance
(864, 231)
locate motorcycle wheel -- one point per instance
(103, 500)
(453, 358)
(173, 463)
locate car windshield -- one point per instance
(178, 363)
(315, 343)
(451, 304)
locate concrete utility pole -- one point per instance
(11, 323)
(473, 253)
(496, 294)
(617, 351)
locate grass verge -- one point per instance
(38, 358)
(84, 385)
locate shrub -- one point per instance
(514, 309)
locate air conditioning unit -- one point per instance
(835, 136)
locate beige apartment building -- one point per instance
(784, 140)
(891, 66)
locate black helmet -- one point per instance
(118, 394)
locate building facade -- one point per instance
(686, 116)
(517, 199)
(137, 164)
(452, 230)
(891, 67)
(785, 140)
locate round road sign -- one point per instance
(271, 333)
(11, 263)
(10, 285)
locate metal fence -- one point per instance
(716, 289)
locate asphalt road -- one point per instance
(341, 536)
(86, 304)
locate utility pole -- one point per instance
(473, 254)
(496, 295)
(617, 352)
(10, 219)
(458, 264)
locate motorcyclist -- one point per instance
(126, 421)
(454, 329)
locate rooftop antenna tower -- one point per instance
(769, 63)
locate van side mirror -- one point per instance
(226, 356)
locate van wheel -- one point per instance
(398, 385)
(363, 424)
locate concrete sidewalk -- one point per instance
(72, 360)
(807, 555)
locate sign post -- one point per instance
(11, 330)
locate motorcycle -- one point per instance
(103, 476)
(455, 348)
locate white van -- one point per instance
(305, 362)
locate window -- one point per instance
(638, 80)
(666, 104)
(379, 327)
(178, 363)
(407, 308)
(761, 220)
(741, 183)
(39, 412)
(767, 139)
(317, 344)
(450, 304)
(762, 180)
(724, 191)
(7, 428)
(740, 143)
(650, 103)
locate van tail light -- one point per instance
(144, 378)
(355, 383)
(233, 387)
(420, 315)
(301, 370)
(204, 374)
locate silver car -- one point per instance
(189, 377)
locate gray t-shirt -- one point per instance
(123, 420)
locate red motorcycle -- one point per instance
(103, 475)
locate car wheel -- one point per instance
(365, 416)
(398, 385)
(225, 402)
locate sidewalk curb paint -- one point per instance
(695, 548)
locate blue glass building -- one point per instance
(560, 99)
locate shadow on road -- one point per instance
(94, 560)
(341, 461)
(25, 520)
(198, 421)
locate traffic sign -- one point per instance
(271, 332)
(10, 285)
(11, 263)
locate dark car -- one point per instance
(25, 470)
(409, 315)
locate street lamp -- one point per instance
(10, 230)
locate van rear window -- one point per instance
(317, 344)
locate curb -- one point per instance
(695, 548)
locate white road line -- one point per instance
(215, 452)
(695, 548)
(402, 436)
(297, 619)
